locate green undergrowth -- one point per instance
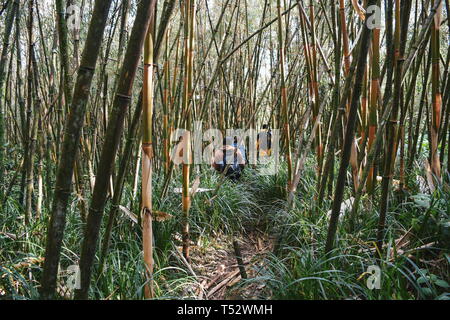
(298, 269)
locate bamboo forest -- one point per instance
(224, 150)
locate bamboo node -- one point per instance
(124, 97)
(86, 68)
(148, 149)
(186, 202)
(147, 211)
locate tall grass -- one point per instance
(298, 270)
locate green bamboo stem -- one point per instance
(70, 147)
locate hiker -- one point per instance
(230, 158)
(264, 142)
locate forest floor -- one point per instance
(217, 267)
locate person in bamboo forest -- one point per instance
(264, 142)
(230, 159)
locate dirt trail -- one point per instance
(217, 271)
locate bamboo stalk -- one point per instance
(109, 150)
(147, 161)
(349, 133)
(12, 11)
(70, 148)
(436, 96)
(391, 147)
(283, 95)
(189, 14)
(373, 105)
